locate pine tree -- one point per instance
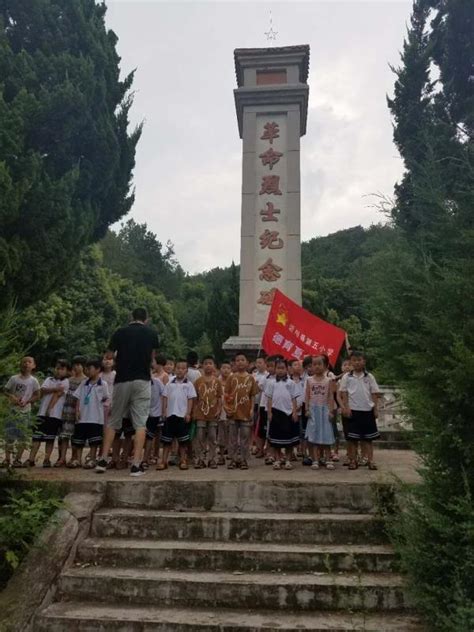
(425, 309)
(66, 156)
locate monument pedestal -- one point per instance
(271, 104)
(250, 345)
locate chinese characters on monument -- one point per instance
(270, 239)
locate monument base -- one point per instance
(250, 345)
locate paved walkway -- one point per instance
(401, 464)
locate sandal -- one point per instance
(73, 465)
(47, 463)
(18, 463)
(288, 466)
(90, 465)
(212, 464)
(60, 463)
(372, 466)
(5, 464)
(353, 465)
(269, 460)
(244, 465)
(162, 466)
(30, 463)
(315, 465)
(277, 465)
(183, 465)
(231, 465)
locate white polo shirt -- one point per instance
(92, 397)
(57, 410)
(177, 393)
(360, 389)
(282, 393)
(263, 398)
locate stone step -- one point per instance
(314, 496)
(227, 526)
(301, 592)
(236, 556)
(91, 617)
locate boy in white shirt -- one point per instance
(92, 397)
(178, 399)
(53, 396)
(359, 394)
(22, 390)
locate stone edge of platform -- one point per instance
(33, 584)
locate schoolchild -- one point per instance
(91, 397)
(22, 390)
(76, 377)
(283, 429)
(359, 393)
(206, 412)
(320, 404)
(178, 399)
(239, 394)
(49, 423)
(262, 428)
(154, 422)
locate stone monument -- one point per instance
(271, 102)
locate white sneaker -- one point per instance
(315, 465)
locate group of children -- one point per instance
(200, 415)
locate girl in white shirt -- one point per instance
(283, 428)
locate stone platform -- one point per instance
(392, 464)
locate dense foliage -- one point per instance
(81, 316)
(66, 156)
(425, 308)
(22, 519)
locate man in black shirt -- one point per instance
(134, 346)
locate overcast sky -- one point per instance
(188, 171)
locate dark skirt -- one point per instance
(362, 426)
(283, 432)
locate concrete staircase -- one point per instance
(232, 556)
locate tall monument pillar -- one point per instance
(271, 102)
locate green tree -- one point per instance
(425, 311)
(66, 156)
(135, 253)
(82, 317)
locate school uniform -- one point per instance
(283, 432)
(49, 423)
(89, 427)
(177, 393)
(154, 422)
(361, 425)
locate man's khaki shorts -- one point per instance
(130, 399)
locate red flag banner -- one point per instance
(294, 333)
